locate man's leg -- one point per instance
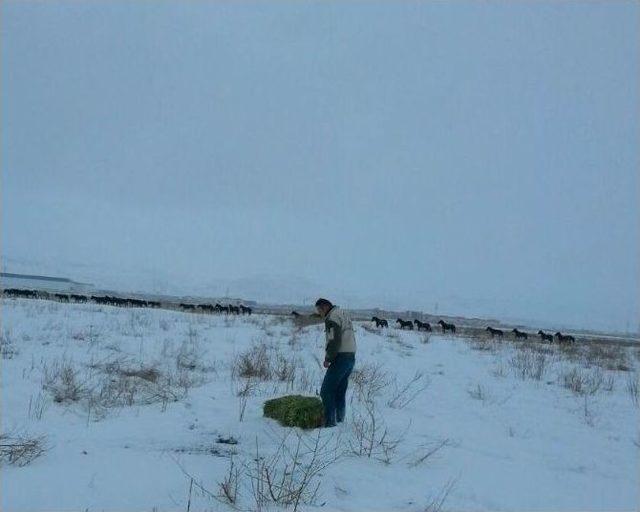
(327, 393)
(341, 391)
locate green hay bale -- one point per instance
(295, 411)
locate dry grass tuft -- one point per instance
(20, 450)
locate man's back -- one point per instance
(340, 322)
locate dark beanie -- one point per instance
(324, 302)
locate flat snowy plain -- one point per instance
(131, 405)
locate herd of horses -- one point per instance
(109, 300)
(499, 333)
(231, 309)
(420, 326)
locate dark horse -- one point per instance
(422, 325)
(545, 337)
(564, 338)
(405, 323)
(520, 334)
(380, 322)
(495, 332)
(295, 313)
(221, 309)
(245, 310)
(447, 327)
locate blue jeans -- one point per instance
(334, 388)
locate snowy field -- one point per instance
(108, 408)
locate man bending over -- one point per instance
(339, 359)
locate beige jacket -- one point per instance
(339, 333)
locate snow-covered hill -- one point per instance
(133, 404)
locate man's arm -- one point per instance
(334, 340)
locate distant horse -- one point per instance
(295, 313)
(61, 297)
(245, 310)
(206, 308)
(520, 334)
(545, 337)
(422, 325)
(19, 292)
(564, 338)
(380, 322)
(117, 301)
(234, 309)
(187, 307)
(447, 327)
(405, 323)
(219, 308)
(495, 332)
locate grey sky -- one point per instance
(404, 153)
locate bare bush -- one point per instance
(570, 351)
(632, 389)
(498, 370)
(244, 390)
(403, 395)
(37, 407)
(123, 383)
(137, 322)
(437, 502)
(369, 380)
(7, 348)
(132, 389)
(290, 476)
(228, 488)
(255, 362)
(146, 373)
(192, 333)
(478, 393)
(284, 369)
(608, 356)
(608, 383)
(64, 382)
(19, 450)
(428, 451)
(369, 435)
(582, 382)
(190, 355)
(573, 380)
(587, 413)
(90, 335)
(527, 364)
(485, 345)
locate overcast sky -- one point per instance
(404, 153)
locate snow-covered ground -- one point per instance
(145, 396)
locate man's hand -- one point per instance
(326, 364)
